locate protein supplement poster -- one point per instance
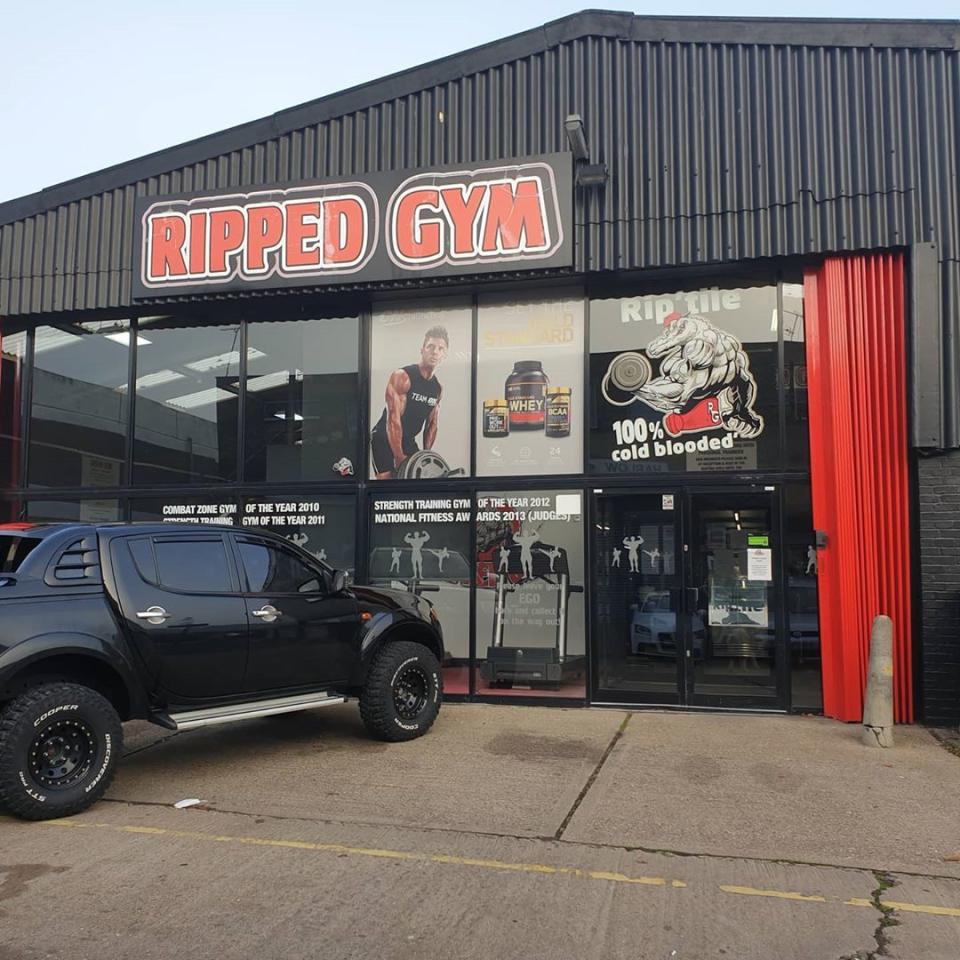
(420, 392)
(530, 388)
(684, 381)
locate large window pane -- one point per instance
(186, 412)
(72, 511)
(797, 439)
(530, 600)
(302, 396)
(200, 508)
(78, 411)
(420, 391)
(685, 381)
(422, 545)
(322, 525)
(12, 354)
(529, 401)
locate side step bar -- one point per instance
(247, 711)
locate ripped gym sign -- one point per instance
(385, 226)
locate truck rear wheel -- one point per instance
(401, 696)
(59, 745)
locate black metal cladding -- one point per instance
(725, 140)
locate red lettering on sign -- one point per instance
(197, 248)
(300, 248)
(344, 230)
(167, 237)
(417, 240)
(226, 237)
(463, 210)
(264, 232)
(515, 219)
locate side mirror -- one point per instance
(340, 580)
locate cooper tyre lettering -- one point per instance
(402, 693)
(59, 745)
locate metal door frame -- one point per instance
(686, 697)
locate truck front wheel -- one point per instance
(401, 695)
(59, 745)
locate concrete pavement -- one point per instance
(508, 832)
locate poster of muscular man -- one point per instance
(685, 381)
(420, 392)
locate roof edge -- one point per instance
(928, 34)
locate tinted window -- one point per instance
(12, 353)
(270, 570)
(186, 412)
(199, 566)
(13, 551)
(301, 399)
(78, 411)
(143, 557)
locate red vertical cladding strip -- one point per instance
(856, 362)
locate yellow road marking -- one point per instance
(539, 868)
(405, 855)
(777, 894)
(922, 908)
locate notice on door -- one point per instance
(759, 564)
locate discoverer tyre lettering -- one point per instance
(59, 745)
(402, 693)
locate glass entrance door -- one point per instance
(686, 599)
(638, 597)
(733, 596)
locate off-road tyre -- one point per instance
(402, 693)
(59, 746)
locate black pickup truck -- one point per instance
(185, 626)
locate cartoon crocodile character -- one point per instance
(698, 361)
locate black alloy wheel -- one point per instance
(62, 754)
(410, 692)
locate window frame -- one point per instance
(154, 539)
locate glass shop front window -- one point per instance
(74, 511)
(421, 545)
(13, 351)
(323, 526)
(301, 400)
(685, 381)
(530, 594)
(79, 403)
(187, 386)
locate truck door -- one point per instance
(180, 601)
(300, 634)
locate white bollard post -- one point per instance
(878, 698)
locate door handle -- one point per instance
(693, 597)
(267, 613)
(154, 614)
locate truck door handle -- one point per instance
(267, 613)
(154, 614)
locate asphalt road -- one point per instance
(507, 832)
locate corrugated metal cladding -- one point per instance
(718, 151)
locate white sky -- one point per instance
(87, 85)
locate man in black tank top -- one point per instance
(412, 405)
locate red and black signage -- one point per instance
(505, 216)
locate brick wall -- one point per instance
(939, 588)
